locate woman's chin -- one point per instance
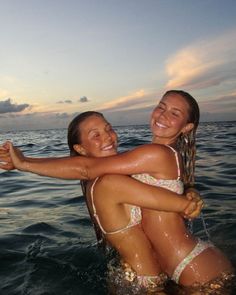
(109, 153)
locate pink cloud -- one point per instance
(137, 99)
(204, 64)
(225, 103)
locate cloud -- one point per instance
(138, 99)
(3, 93)
(83, 99)
(222, 104)
(62, 115)
(204, 64)
(8, 107)
(134, 116)
(66, 101)
(34, 121)
(69, 101)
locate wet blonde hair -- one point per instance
(186, 142)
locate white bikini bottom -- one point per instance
(198, 249)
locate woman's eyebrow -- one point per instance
(175, 109)
(92, 130)
(178, 110)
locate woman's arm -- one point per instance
(146, 158)
(6, 161)
(58, 167)
(124, 189)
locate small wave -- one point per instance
(41, 227)
(75, 200)
(81, 221)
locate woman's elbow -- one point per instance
(81, 173)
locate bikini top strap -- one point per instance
(92, 201)
(94, 208)
(177, 159)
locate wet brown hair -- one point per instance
(74, 137)
(186, 143)
(74, 132)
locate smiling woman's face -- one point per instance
(169, 119)
(98, 139)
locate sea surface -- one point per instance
(47, 242)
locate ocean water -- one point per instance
(47, 242)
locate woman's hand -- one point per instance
(10, 157)
(192, 194)
(5, 158)
(193, 209)
(196, 203)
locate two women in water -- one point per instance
(173, 122)
(114, 203)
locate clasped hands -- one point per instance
(195, 205)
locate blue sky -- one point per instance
(63, 57)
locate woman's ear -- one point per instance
(188, 128)
(79, 149)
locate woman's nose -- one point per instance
(107, 136)
(163, 114)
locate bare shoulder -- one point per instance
(160, 158)
(154, 150)
(152, 147)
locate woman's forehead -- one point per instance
(93, 122)
(176, 101)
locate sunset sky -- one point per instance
(62, 57)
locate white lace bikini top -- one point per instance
(174, 185)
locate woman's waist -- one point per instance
(170, 239)
(162, 221)
(134, 248)
(179, 249)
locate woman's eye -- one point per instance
(109, 129)
(160, 107)
(175, 114)
(96, 135)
